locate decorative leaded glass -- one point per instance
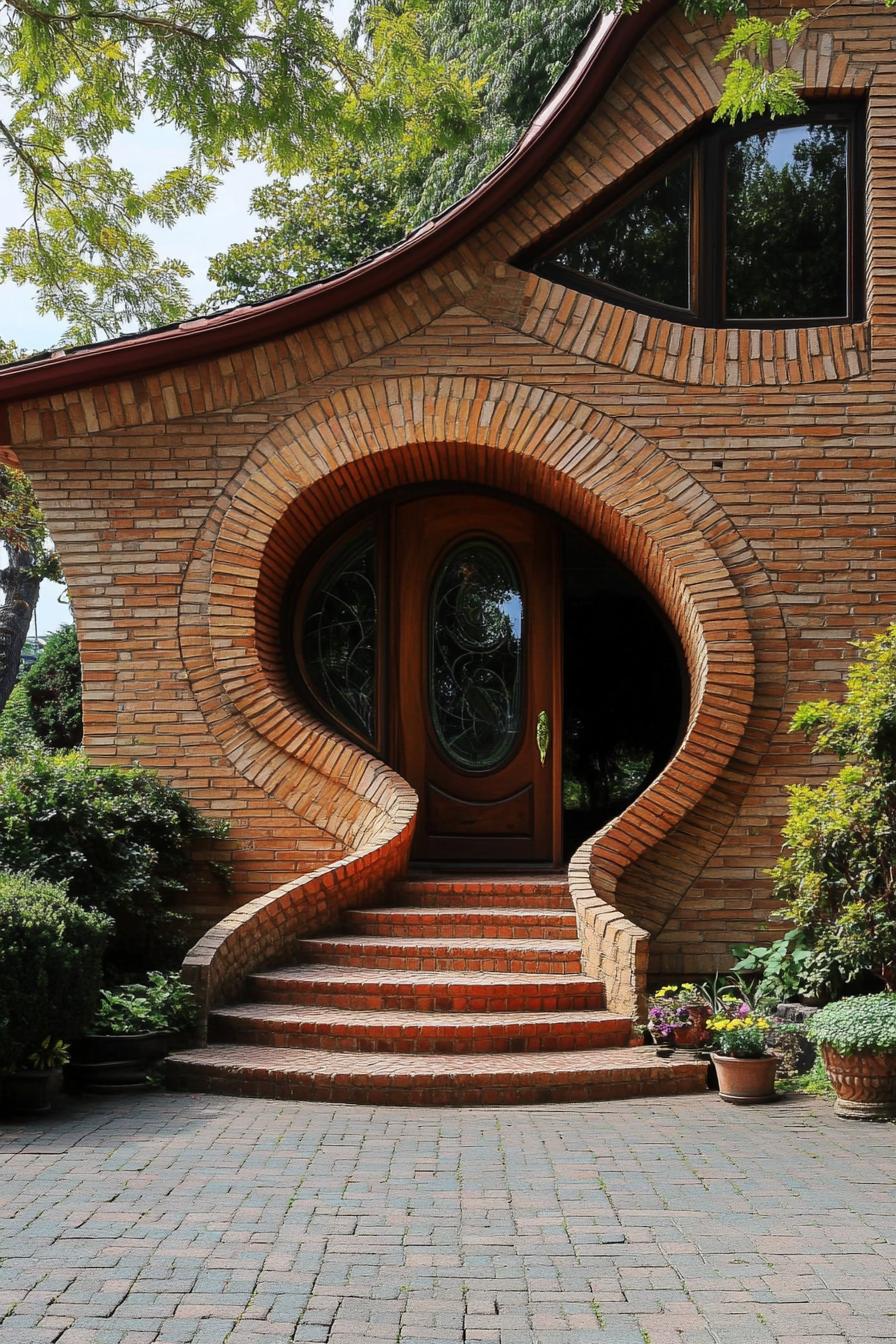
(339, 636)
(475, 642)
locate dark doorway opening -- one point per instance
(625, 688)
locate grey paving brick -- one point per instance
(187, 1220)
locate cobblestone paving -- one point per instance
(181, 1219)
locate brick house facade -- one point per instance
(745, 477)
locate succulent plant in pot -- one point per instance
(744, 1065)
(857, 1039)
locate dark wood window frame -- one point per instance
(706, 149)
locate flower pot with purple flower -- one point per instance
(681, 1010)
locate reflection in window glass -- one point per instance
(339, 636)
(645, 246)
(786, 224)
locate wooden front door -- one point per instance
(475, 677)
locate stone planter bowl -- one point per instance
(865, 1083)
(745, 1082)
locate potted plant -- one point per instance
(857, 1038)
(691, 1011)
(34, 1086)
(132, 1030)
(744, 1066)
(665, 1016)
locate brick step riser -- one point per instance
(530, 962)
(423, 998)
(371, 1039)
(382, 1090)
(518, 900)
(430, 924)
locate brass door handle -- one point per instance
(543, 734)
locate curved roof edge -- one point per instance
(598, 59)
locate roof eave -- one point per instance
(601, 55)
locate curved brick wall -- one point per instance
(551, 449)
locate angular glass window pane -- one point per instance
(475, 643)
(786, 224)
(644, 247)
(339, 636)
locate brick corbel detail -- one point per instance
(350, 447)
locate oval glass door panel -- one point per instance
(476, 656)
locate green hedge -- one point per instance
(51, 958)
(120, 841)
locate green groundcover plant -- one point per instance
(120, 841)
(51, 959)
(866, 1023)
(164, 1003)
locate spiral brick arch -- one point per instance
(549, 448)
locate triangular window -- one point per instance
(642, 247)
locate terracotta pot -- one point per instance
(865, 1083)
(746, 1081)
(694, 1035)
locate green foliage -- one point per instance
(17, 735)
(120, 839)
(837, 873)
(815, 1083)
(489, 62)
(850, 1026)
(51, 954)
(49, 1054)
(754, 84)
(240, 79)
(51, 689)
(164, 1003)
(783, 970)
(23, 526)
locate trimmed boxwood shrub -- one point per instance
(852, 1026)
(51, 960)
(119, 840)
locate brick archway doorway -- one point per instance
(515, 674)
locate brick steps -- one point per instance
(433, 1080)
(427, 991)
(462, 921)
(455, 991)
(444, 954)
(404, 1032)
(432, 893)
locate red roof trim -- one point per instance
(599, 59)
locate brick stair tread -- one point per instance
(394, 976)
(501, 912)
(412, 1020)
(359, 940)
(527, 1077)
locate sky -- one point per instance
(148, 153)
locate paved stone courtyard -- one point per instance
(181, 1219)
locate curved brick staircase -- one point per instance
(458, 992)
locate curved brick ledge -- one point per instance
(264, 932)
